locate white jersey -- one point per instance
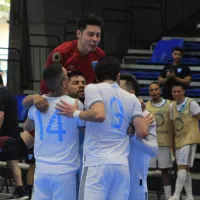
(56, 138)
(139, 159)
(194, 107)
(108, 142)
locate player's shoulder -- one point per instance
(65, 47)
(68, 99)
(91, 86)
(32, 109)
(193, 102)
(166, 101)
(99, 53)
(131, 96)
(172, 103)
(148, 103)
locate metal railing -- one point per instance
(39, 52)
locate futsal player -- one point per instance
(141, 150)
(56, 142)
(185, 114)
(159, 107)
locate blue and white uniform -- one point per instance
(56, 151)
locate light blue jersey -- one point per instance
(108, 142)
(56, 147)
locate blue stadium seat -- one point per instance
(144, 91)
(146, 75)
(159, 53)
(163, 51)
(143, 74)
(196, 77)
(194, 92)
(191, 46)
(190, 61)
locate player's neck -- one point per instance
(56, 93)
(109, 81)
(81, 50)
(157, 100)
(178, 102)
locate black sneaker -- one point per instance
(29, 190)
(19, 194)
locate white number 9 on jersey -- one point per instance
(117, 112)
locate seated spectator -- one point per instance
(174, 73)
(9, 127)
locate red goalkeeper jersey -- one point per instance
(68, 55)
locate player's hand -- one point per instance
(169, 75)
(40, 103)
(67, 109)
(131, 130)
(173, 76)
(149, 118)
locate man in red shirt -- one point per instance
(81, 54)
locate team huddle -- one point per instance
(120, 142)
(109, 110)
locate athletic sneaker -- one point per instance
(19, 194)
(190, 198)
(174, 198)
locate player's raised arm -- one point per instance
(95, 107)
(149, 144)
(29, 124)
(40, 102)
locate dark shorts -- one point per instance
(14, 134)
(9, 150)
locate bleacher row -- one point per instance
(162, 53)
(148, 70)
(193, 91)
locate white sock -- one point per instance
(188, 186)
(180, 181)
(168, 191)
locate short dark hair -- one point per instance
(74, 73)
(131, 82)
(179, 85)
(178, 49)
(90, 19)
(1, 79)
(154, 82)
(53, 76)
(107, 69)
